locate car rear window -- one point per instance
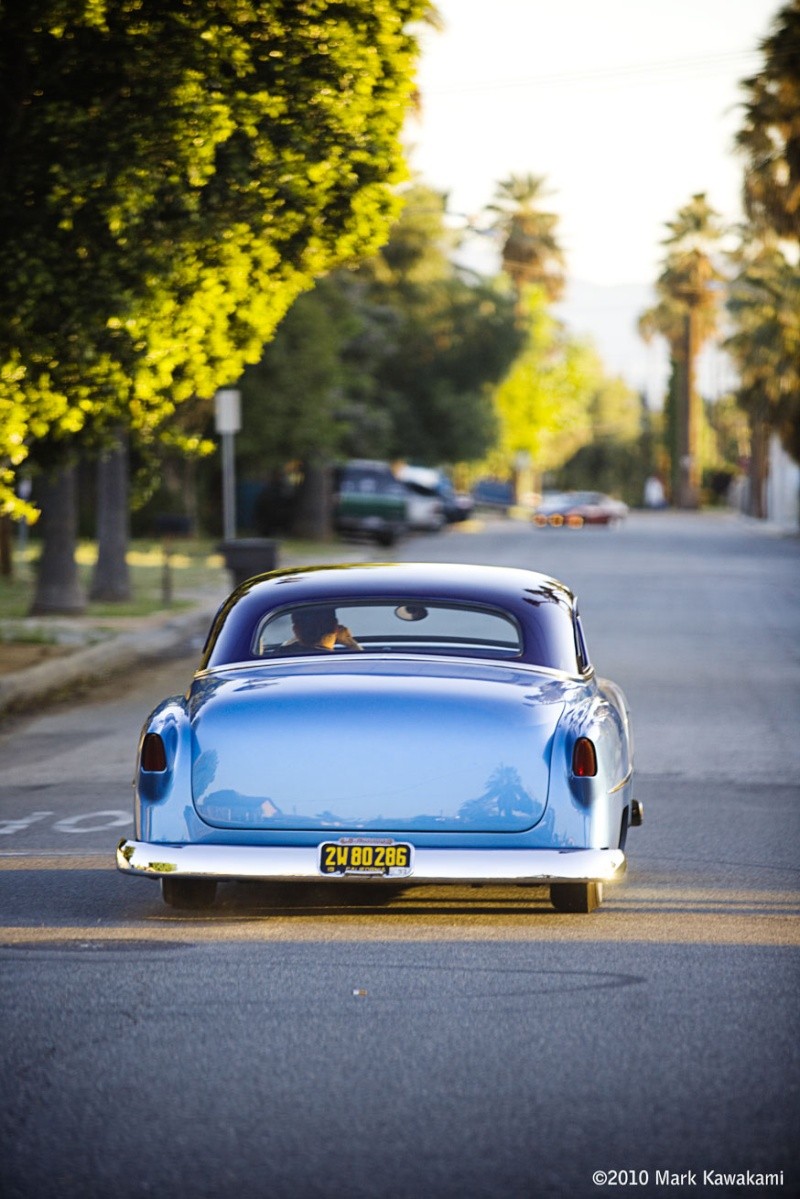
(406, 626)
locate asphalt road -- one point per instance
(449, 1045)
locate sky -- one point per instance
(626, 107)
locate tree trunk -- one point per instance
(688, 421)
(672, 408)
(6, 553)
(313, 516)
(111, 579)
(58, 587)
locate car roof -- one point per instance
(514, 590)
(457, 581)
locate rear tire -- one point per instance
(576, 897)
(191, 894)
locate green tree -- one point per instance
(666, 319)
(544, 402)
(172, 177)
(765, 296)
(293, 399)
(614, 460)
(686, 315)
(764, 305)
(393, 359)
(726, 444)
(770, 133)
(531, 252)
(448, 337)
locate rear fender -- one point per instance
(162, 807)
(615, 697)
(595, 804)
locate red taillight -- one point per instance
(154, 756)
(584, 758)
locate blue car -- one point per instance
(395, 724)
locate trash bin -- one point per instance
(248, 556)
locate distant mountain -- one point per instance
(608, 315)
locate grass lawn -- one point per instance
(195, 568)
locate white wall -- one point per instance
(783, 487)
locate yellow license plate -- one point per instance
(392, 859)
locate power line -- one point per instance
(665, 70)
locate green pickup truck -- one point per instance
(370, 502)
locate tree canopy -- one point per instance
(764, 305)
(532, 253)
(544, 404)
(770, 133)
(764, 298)
(616, 459)
(688, 280)
(686, 315)
(395, 358)
(455, 336)
(172, 176)
(293, 396)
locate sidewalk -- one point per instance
(97, 649)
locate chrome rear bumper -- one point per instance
(300, 864)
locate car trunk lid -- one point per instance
(362, 745)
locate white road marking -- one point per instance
(74, 824)
(8, 827)
(108, 818)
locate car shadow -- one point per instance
(356, 899)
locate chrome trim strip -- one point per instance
(624, 782)
(299, 864)
(447, 659)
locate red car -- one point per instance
(578, 508)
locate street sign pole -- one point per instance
(228, 487)
(227, 413)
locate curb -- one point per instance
(20, 689)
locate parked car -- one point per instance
(449, 505)
(425, 507)
(370, 502)
(458, 505)
(574, 509)
(493, 493)
(388, 724)
(552, 503)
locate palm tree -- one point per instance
(531, 252)
(764, 304)
(686, 315)
(770, 134)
